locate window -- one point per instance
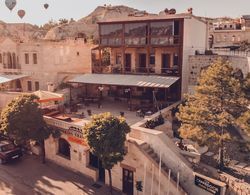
(29, 83)
(113, 30)
(37, 86)
(111, 34)
(152, 59)
(34, 58)
(1, 58)
(118, 59)
(135, 33)
(78, 53)
(26, 56)
(64, 148)
(162, 28)
(176, 59)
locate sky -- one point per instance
(36, 14)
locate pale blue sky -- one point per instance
(36, 14)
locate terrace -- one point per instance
(84, 112)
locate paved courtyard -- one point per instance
(29, 176)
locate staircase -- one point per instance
(156, 159)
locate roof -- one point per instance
(5, 78)
(150, 18)
(152, 81)
(47, 96)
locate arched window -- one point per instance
(233, 38)
(64, 148)
(4, 60)
(14, 65)
(9, 60)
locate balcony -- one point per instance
(118, 69)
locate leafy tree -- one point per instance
(22, 120)
(63, 21)
(49, 25)
(246, 86)
(244, 122)
(106, 57)
(106, 136)
(218, 101)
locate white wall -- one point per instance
(195, 38)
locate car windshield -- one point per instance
(7, 147)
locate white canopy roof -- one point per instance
(4, 78)
(152, 81)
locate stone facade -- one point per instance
(199, 62)
(45, 62)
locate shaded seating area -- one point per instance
(143, 94)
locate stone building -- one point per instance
(229, 34)
(148, 64)
(40, 64)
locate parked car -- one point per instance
(9, 151)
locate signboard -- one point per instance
(74, 131)
(77, 140)
(207, 185)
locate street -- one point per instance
(29, 176)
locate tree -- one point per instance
(22, 120)
(106, 136)
(49, 25)
(218, 101)
(63, 21)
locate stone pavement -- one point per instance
(29, 176)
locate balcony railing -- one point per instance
(118, 69)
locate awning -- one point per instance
(47, 96)
(5, 78)
(152, 81)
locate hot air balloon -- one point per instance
(46, 5)
(21, 13)
(10, 4)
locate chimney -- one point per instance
(51, 87)
(190, 10)
(172, 11)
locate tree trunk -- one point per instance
(221, 151)
(42, 151)
(110, 182)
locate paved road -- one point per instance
(29, 176)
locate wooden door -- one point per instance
(128, 182)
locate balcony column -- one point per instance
(123, 60)
(147, 59)
(100, 56)
(157, 61)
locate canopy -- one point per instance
(47, 96)
(152, 81)
(5, 78)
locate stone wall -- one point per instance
(144, 170)
(79, 161)
(199, 62)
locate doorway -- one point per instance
(165, 62)
(127, 181)
(142, 62)
(127, 62)
(95, 162)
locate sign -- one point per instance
(77, 140)
(207, 185)
(74, 131)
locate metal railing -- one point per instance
(231, 53)
(173, 71)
